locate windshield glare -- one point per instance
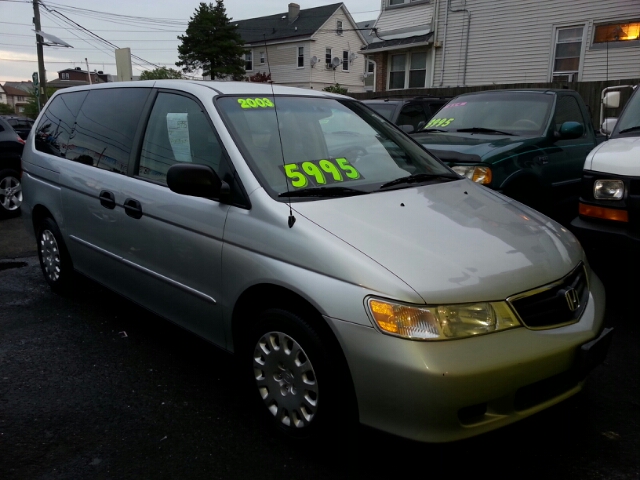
(322, 142)
(516, 113)
(631, 116)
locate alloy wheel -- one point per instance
(10, 193)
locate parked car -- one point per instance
(609, 208)
(10, 188)
(528, 144)
(22, 125)
(411, 114)
(354, 275)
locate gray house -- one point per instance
(444, 43)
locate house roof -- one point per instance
(26, 87)
(277, 27)
(398, 43)
(9, 90)
(366, 27)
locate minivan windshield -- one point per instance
(499, 113)
(629, 122)
(307, 147)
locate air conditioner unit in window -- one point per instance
(563, 77)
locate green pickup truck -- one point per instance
(528, 144)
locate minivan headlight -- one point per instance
(442, 322)
(608, 190)
(478, 174)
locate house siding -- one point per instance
(513, 42)
(410, 16)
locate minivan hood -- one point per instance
(451, 242)
(484, 146)
(620, 156)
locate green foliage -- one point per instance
(6, 109)
(335, 89)
(212, 44)
(162, 73)
(31, 108)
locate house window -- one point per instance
(408, 70)
(567, 52)
(248, 61)
(300, 57)
(64, 76)
(262, 58)
(617, 32)
(327, 56)
(400, 2)
(20, 98)
(345, 61)
(339, 27)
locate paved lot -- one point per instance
(91, 386)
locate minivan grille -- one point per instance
(556, 304)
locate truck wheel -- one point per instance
(54, 259)
(10, 193)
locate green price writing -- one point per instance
(439, 122)
(255, 102)
(320, 172)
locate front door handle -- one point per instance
(133, 208)
(107, 199)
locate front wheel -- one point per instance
(10, 193)
(296, 375)
(54, 259)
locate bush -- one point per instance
(335, 89)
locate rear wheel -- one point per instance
(54, 259)
(297, 376)
(10, 193)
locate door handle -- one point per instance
(107, 199)
(133, 208)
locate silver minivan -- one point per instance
(355, 276)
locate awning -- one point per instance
(398, 43)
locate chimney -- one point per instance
(294, 11)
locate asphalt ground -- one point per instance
(92, 386)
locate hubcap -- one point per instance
(10, 193)
(286, 380)
(50, 255)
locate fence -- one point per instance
(589, 91)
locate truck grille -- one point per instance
(556, 304)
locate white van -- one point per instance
(355, 276)
(609, 208)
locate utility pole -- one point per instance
(42, 89)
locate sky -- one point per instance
(151, 36)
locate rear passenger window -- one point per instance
(568, 110)
(57, 123)
(178, 131)
(105, 128)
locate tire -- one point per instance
(55, 261)
(10, 193)
(296, 376)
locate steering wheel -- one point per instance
(354, 153)
(525, 122)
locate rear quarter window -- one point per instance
(57, 123)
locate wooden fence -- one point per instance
(589, 91)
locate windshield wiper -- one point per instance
(630, 129)
(485, 130)
(324, 192)
(420, 177)
(431, 130)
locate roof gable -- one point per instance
(277, 27)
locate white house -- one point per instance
(484, 42)
(309, 48)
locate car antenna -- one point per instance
(291, 220)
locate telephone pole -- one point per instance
(42, 89)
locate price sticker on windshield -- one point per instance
(439, 122)
(320, 172)
(255, 103)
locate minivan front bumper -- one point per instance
(448, 390)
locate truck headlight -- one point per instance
(442, 322)
(608, 190)
(478, 174)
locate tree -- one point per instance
(161, 73)
(31, 108)
(6, 109)
(212, 44)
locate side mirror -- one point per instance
(196, 181)
(421, 125)
(608, 125)
(611, 100)
(407, 128)
(571, 130)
